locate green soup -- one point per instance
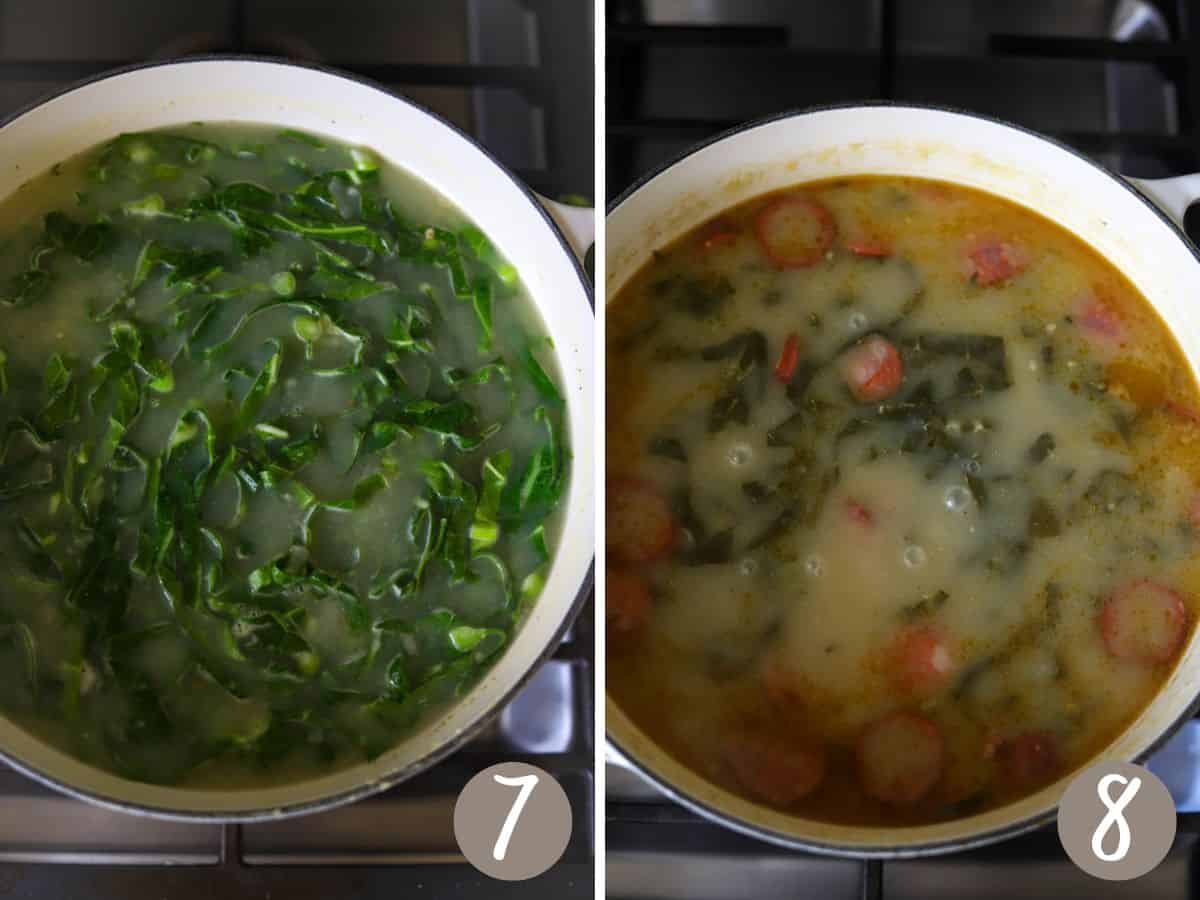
(282, 445)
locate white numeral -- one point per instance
(526, 783)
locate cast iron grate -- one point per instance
(542, 122)
(765, 54)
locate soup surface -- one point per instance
(902, 504)
(279, 455)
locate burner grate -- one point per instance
(1141, 115)
(515, 73)
(645, 836)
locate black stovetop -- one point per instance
(1110, 77)
(518, 76)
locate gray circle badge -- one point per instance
(1116, 820)
(512, 821)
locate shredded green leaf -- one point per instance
(277, 484)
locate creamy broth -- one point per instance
(902, 501)
(283, 445)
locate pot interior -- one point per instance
(979, 153)
(309, 99)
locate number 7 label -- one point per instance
(534, 824)
(526, 783)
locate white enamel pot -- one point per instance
(1143, 240)
(321, 101)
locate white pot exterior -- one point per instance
(980, 153)
(348, 110)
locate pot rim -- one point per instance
(440, 752)
(879, 851)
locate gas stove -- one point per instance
(518, 76)
(1120, 81)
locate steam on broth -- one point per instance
(282, 451)
(902, 501)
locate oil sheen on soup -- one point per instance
(279, 455)
(902, 504)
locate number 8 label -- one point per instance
(512, 837)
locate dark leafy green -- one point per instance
(745, 378)
(289, 489)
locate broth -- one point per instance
(902, 501)
(280, 456)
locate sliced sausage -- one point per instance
(788, 358)
(775, 771)
(900, 758)
(1028, 758)
(626, 605)
(991, 261)
(872, 369)
(921, 660)
(782, 685)
(859, 514)
(640, 527)
(1144, 621)
(872, 247)
(795, 231)
(718, 233)
(1098, 318)
(1183, 411)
